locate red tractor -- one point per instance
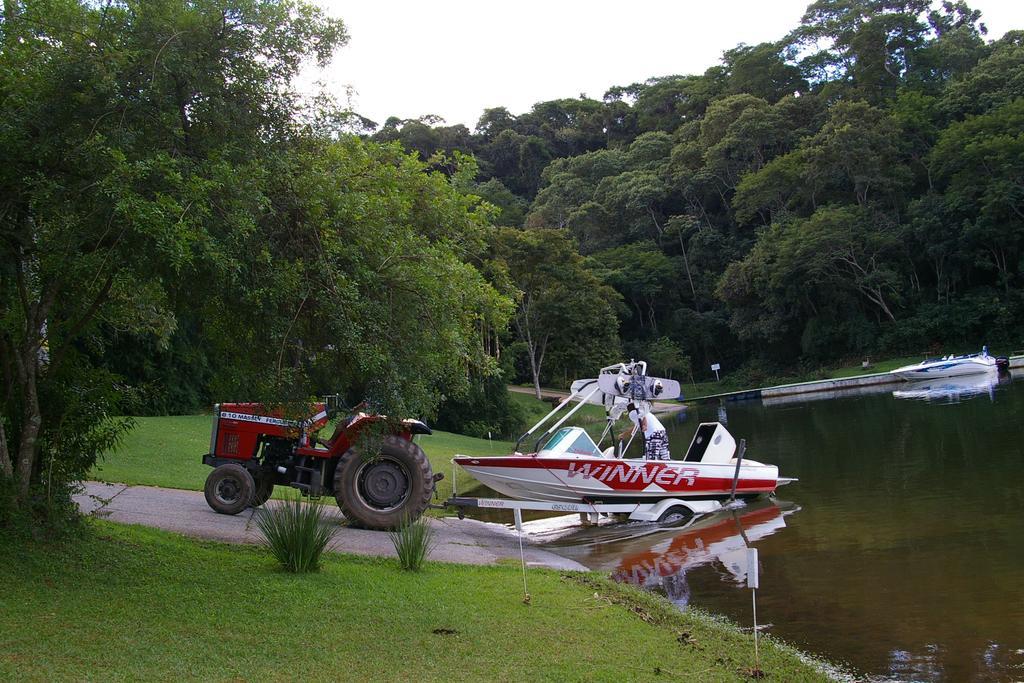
(253, 448)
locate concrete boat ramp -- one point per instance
(465, 541)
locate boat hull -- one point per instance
(605, 480)
(951, 368)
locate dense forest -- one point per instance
(855, 189)
(178, 225)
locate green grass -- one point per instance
(167, 451)
(130, 603)
(160, 451)
(440, 447)
(534, 410)
(881, 366)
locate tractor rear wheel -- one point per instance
(229, 489)
(264, 489)
(386, 489)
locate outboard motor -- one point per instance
(1003, 363)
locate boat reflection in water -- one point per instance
(659, 558)
(953, 389)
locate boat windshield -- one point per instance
(571, 441)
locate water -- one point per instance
(900, 551)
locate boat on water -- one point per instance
(951, 366)
(567, 467)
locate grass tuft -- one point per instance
(296, 533)
(413, 542)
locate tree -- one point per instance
(853, 131)
(563, 309)
(665, 103)
(957, 46)
(856, 155)
(633, 202)
(645, 277)
(569, 197)
(511, 207)
(780, 187)
(493, 122)
(805, 279)
(664, 355)
(850, 248)
(739, 135)
(156, 165)
(870, 44)
(980, 163)
(126, 128)
(938, 240)
(761, 70)
(997, 79)
(423, 136)
(858, 150)
(373, 290)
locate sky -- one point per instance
(456, 58)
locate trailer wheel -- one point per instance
(675, 514)
(264, 489)
(387, 490)
(229, 489)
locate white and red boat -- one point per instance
(568, 467)
(571, 468)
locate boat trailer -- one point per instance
(664, 510)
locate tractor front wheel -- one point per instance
(386, 489)
(229, 489)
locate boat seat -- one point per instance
(701, 440)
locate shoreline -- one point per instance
(838, 384)
(784, 389)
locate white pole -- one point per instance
(757, 658)
(753, 582)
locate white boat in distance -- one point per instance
(949, 366)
